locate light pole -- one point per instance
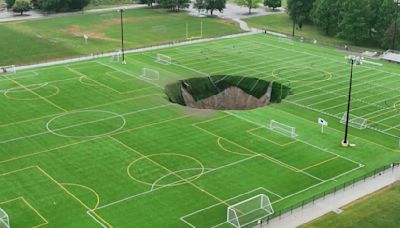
(353, 60)
(122, 36)
(395, 25)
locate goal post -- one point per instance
(282, 129)
(8, 69)
(164, 59)
(354, 121)
(4, 219)
(150, 74)
(249, 211)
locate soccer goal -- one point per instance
(249, 211)
(164, 59)
(354, 121)
(8, 69)
(150, 74)
(4, 219)
(282, 129)
(116, 56)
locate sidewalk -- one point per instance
(335, 201)
(34, 14)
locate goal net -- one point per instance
(163, 59)
(282, 129)
(150, 74)
(354, 121)
(8, 69)
(4, 220)
(249, 211)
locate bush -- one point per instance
(10, 3)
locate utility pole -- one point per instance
(122, 36)
(353, 60)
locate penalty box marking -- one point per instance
(97, 218)
(21, 198)
(251, 132)
(230, 199)
(269, 158)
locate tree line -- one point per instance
(21, 6)
(361, 21)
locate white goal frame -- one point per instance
(150, 74)
(255, 204)
(4, 219)
(164, 59)
(282, 129)
(354, 121)
(8, 69)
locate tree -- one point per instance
(21, 6)
(273, 3)
(251, 4)
(325, 13)
(199, 5)
(354, 21)
(299, 11)
(386, 17)
(387, 40)
(62, 5)
(10, 3)
(175, 5)
(211, 5)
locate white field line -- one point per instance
(335, 85)
(47, 83)
(96, 220)
(230, 199)
(376, 102)
(155, 183)
(344, 88)
(338, 117)
(279, 200)
(82, 124)
(306, 173)
(300, 140)
(394, 127)
(387, 118)
(165, 186)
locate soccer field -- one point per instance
(96, 143)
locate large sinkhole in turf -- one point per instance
(226, 92)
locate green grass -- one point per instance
(100, 4)
(32, 41)
(93, 142)
(378, 210)
(281, 23)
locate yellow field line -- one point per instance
(37, 212)
(247, 149)
(73, 196)
(269, 140)
(31, 91)
(90, 139)
(90, 107)
(320, 163)
(45, 222)
(89, 189)
(380, 145)
(168, 170)
(229, 151)
(87, 77)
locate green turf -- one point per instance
(41, 40)
(93, 143)
(378, 210)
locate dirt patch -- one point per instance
(76, 31)
(232, 98)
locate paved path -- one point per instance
(34, 14)
(335, 201)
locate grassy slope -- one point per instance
(282, 23)
(41, 40)
(381, 209)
